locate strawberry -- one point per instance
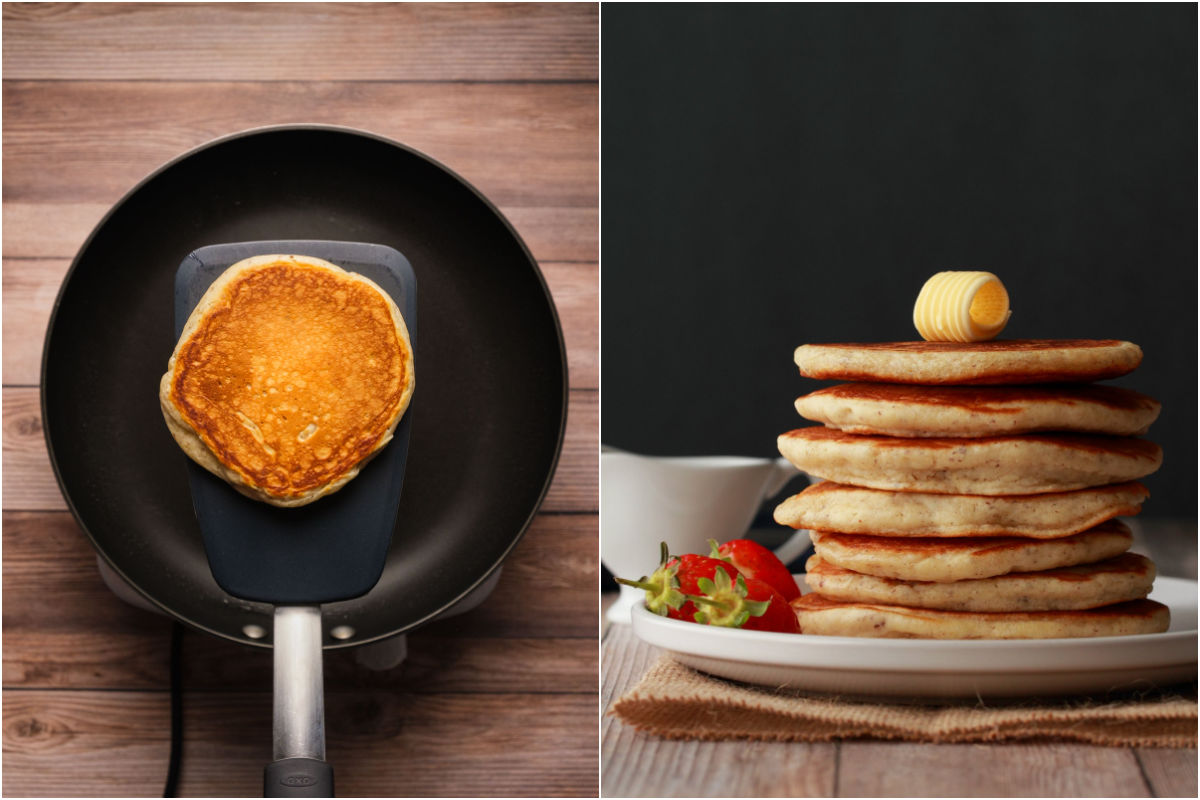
(676, 577)
(757, 562)
(745, 603)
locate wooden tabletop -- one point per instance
(635, 764)
(499, 701)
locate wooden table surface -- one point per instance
(635, 764)
(500, 701)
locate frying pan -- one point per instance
(299, 558)
(487, 418)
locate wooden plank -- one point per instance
(576, 484)
(575, 289)
(435, 663)
(625, 659)
(1171, 773)
(86, 637)
(381, 743)
(638, 765)
(48, 230)
(31, 287)
(81, 744)
(535, 633)
(549, 584)
(29, 483)
(665, 768)
(526, 145)
(135, 656)
(386, 743)
(304, 41)
(28, 479)
(59, 229)
(896, 769)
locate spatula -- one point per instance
(298, 558)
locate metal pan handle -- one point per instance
(299, 769)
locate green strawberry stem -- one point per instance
(715, 552)
(724, 601)
(662, 588)
(639, 584)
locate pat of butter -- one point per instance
(961, 307)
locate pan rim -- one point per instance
(261, 130)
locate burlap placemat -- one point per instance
(677, 702)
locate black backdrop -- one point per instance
(774, 175)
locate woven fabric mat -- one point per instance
(677, 702)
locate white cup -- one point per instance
(683, 501)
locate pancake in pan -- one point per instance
(823, 616)
(923, 411)
(289, 375)
(1023, 464)
(1001, 362)
(943, 560)
(1116, 580)
(836, 507)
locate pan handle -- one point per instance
(299, 769)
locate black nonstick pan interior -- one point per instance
(488, 412)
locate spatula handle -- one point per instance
(299, 769)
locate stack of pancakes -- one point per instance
(971, 490)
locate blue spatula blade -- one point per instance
(332, 549)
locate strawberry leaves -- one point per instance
(662, 587)
(724, 602)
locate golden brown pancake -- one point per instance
(999, 362)
(944, 560)
(289, 375)
(967, 411)
(998, 465)
(823, 616)
(829, 506)
(1115, 580)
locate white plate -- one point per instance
(937, 667)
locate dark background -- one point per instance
(775, 175)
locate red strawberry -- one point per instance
(779, 615)
(755, 561)
(743, 603)
(676, 577)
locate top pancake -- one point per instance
(1003, 362)
(289, 374)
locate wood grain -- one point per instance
(59, 229)
(28, 479)
(81, 744)
(666, 768)
(436, 662)
(89, 638)
(382, 743)
(29, 483)
(29, 291)
(1171, 773)
(892, 769)
(31, 287)
(635, 764)
(520, 144)
(302, 41)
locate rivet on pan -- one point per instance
(342, 632)
(254, 631)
